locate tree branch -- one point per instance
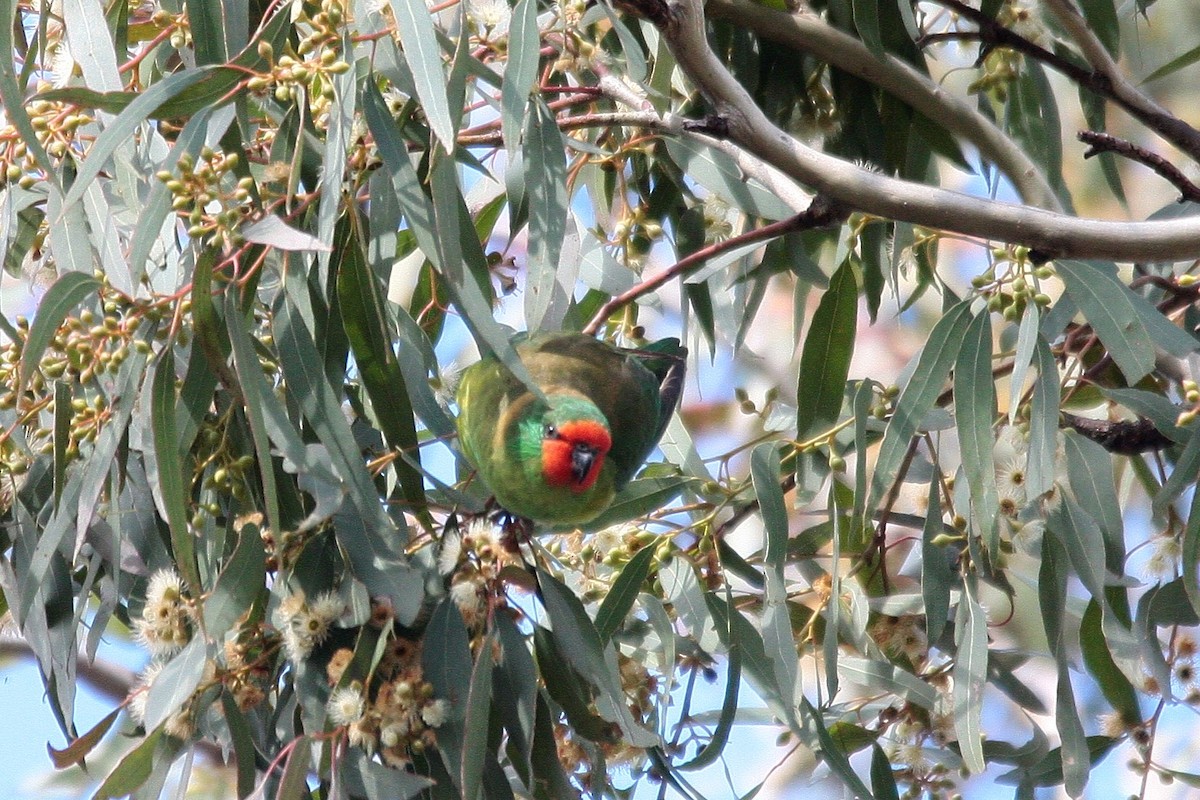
(809, 33)
(1104, 142)
(1057, 235)
(820, 213)
(1105, 79)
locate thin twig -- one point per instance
(820, 213)
(1104, 80)
(1100, 142)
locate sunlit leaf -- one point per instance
(424, 56)
(825, 360)
(970, 675)
(933, 367)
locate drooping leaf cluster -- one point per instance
(260, 234)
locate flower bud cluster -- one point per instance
(473, 560)
(57, 126)
(248, 674)
(83, 348)
(1012, 283)
(305, 624)
(167, 620)
(205, 194)
(395, 712)
(309, 69)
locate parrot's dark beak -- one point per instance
(583, 456)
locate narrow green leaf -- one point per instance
(12, 94)
(243, 744)
(639, 497)
(831, 642)
(1166, 334)
(1052, 595)
(369, 333)
(581, 644)
(1185, 59)
(765, 474)
(122, 128)
(1033, 119)
(1101, 16)
(1040, 470)
(1023, 357)
(176, 682)
(885, 675)
(864, 398)
(256, 392)
(369, 778)
(757, 667)
(520, 73)
(68, 237)
(63, 416)
(565, 687)
(621, 597)
(974, 413)
(460, 259)
(833, 754)
(1083, 541)
(1106, 304)
(133, 770)
(1154, 407)
(927, 380)
(970, 677)
(515, 693)
(239, 583)
(937, 575)
(729, 706)
(549, 779)
(1117, 689)
(883, 779)
(1048, 771)
(718, 173)
(330, 187)
(1186, 778)
(866, 22)
(633, 57)
(446, 662)
(1183, 474)
(375, 549)
(1076, 763)
(208, 34)
(81, 495)
(171, 488)
(1191, 554)
(77, 750)
(475, 725)
(548, 285)
(293, 783)
(825, 360)
(424, 56)
(1090, 469)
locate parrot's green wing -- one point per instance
(667, 359)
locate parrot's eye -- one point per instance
(549, 432)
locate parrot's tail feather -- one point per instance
(670, 386)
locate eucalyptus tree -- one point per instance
(261, 236)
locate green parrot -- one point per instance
(561, 459)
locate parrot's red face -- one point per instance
(573, 453)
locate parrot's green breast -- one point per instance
(505, 430)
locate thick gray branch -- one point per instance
(809, 33)
(683, 25)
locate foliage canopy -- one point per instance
(265, 230)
